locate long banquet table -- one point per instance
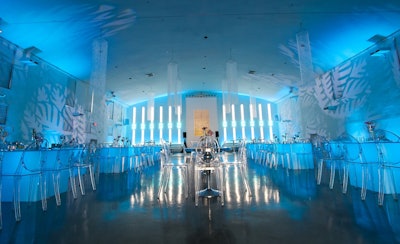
(107, 160)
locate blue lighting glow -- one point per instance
(151, 126)
(143, 126)
(73, 28)
(178, 125)
(252, 123)
(243, 123)
(160, 126)
(169, 125)
(261, 123)
(224, 124)
(347, 35)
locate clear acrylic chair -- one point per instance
(353, 157)
(167, 166)
(240, 162)
(301, 156)
(83, 161)
(282, 155)
(389, 164)
(29, 171)
(331, 155)
(63, 164)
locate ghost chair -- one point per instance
(240, 163)
(25, 167)
(83, 162)
(301, 156)
(331, 156)
(388, 144)
(149, 154)
(107, 157)
(354, 161)
(261, 153)
(167, 165)
(282, 155)
(63, 164)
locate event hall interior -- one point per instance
(199, 121)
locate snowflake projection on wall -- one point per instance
(46, 113)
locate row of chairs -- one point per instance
(31, 168)
(290, 155)
(370, 165)
(121, 159)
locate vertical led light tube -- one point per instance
(160, 124)
(224, 123)
(179, 124)
(134, 126)
(92, 102)
(251, 121)
(242, 122)
(233, 122)
(261, 122)
(170, 124)
(270, 123)
(143, 125)
(152, 123)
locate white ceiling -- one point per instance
(200, 36)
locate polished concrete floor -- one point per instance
(286, 206)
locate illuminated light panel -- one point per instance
(261, 122)
(170, 124)
(270, 123)
(224, 122)
(243, 122)
(233, 122)
(251, 121)
(160, 124)
(179, 124)
(134, 125)
(143, 125)
(151, 126)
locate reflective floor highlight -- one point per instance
(286, 206)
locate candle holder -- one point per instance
(371, 129)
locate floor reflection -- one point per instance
(286, 206)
